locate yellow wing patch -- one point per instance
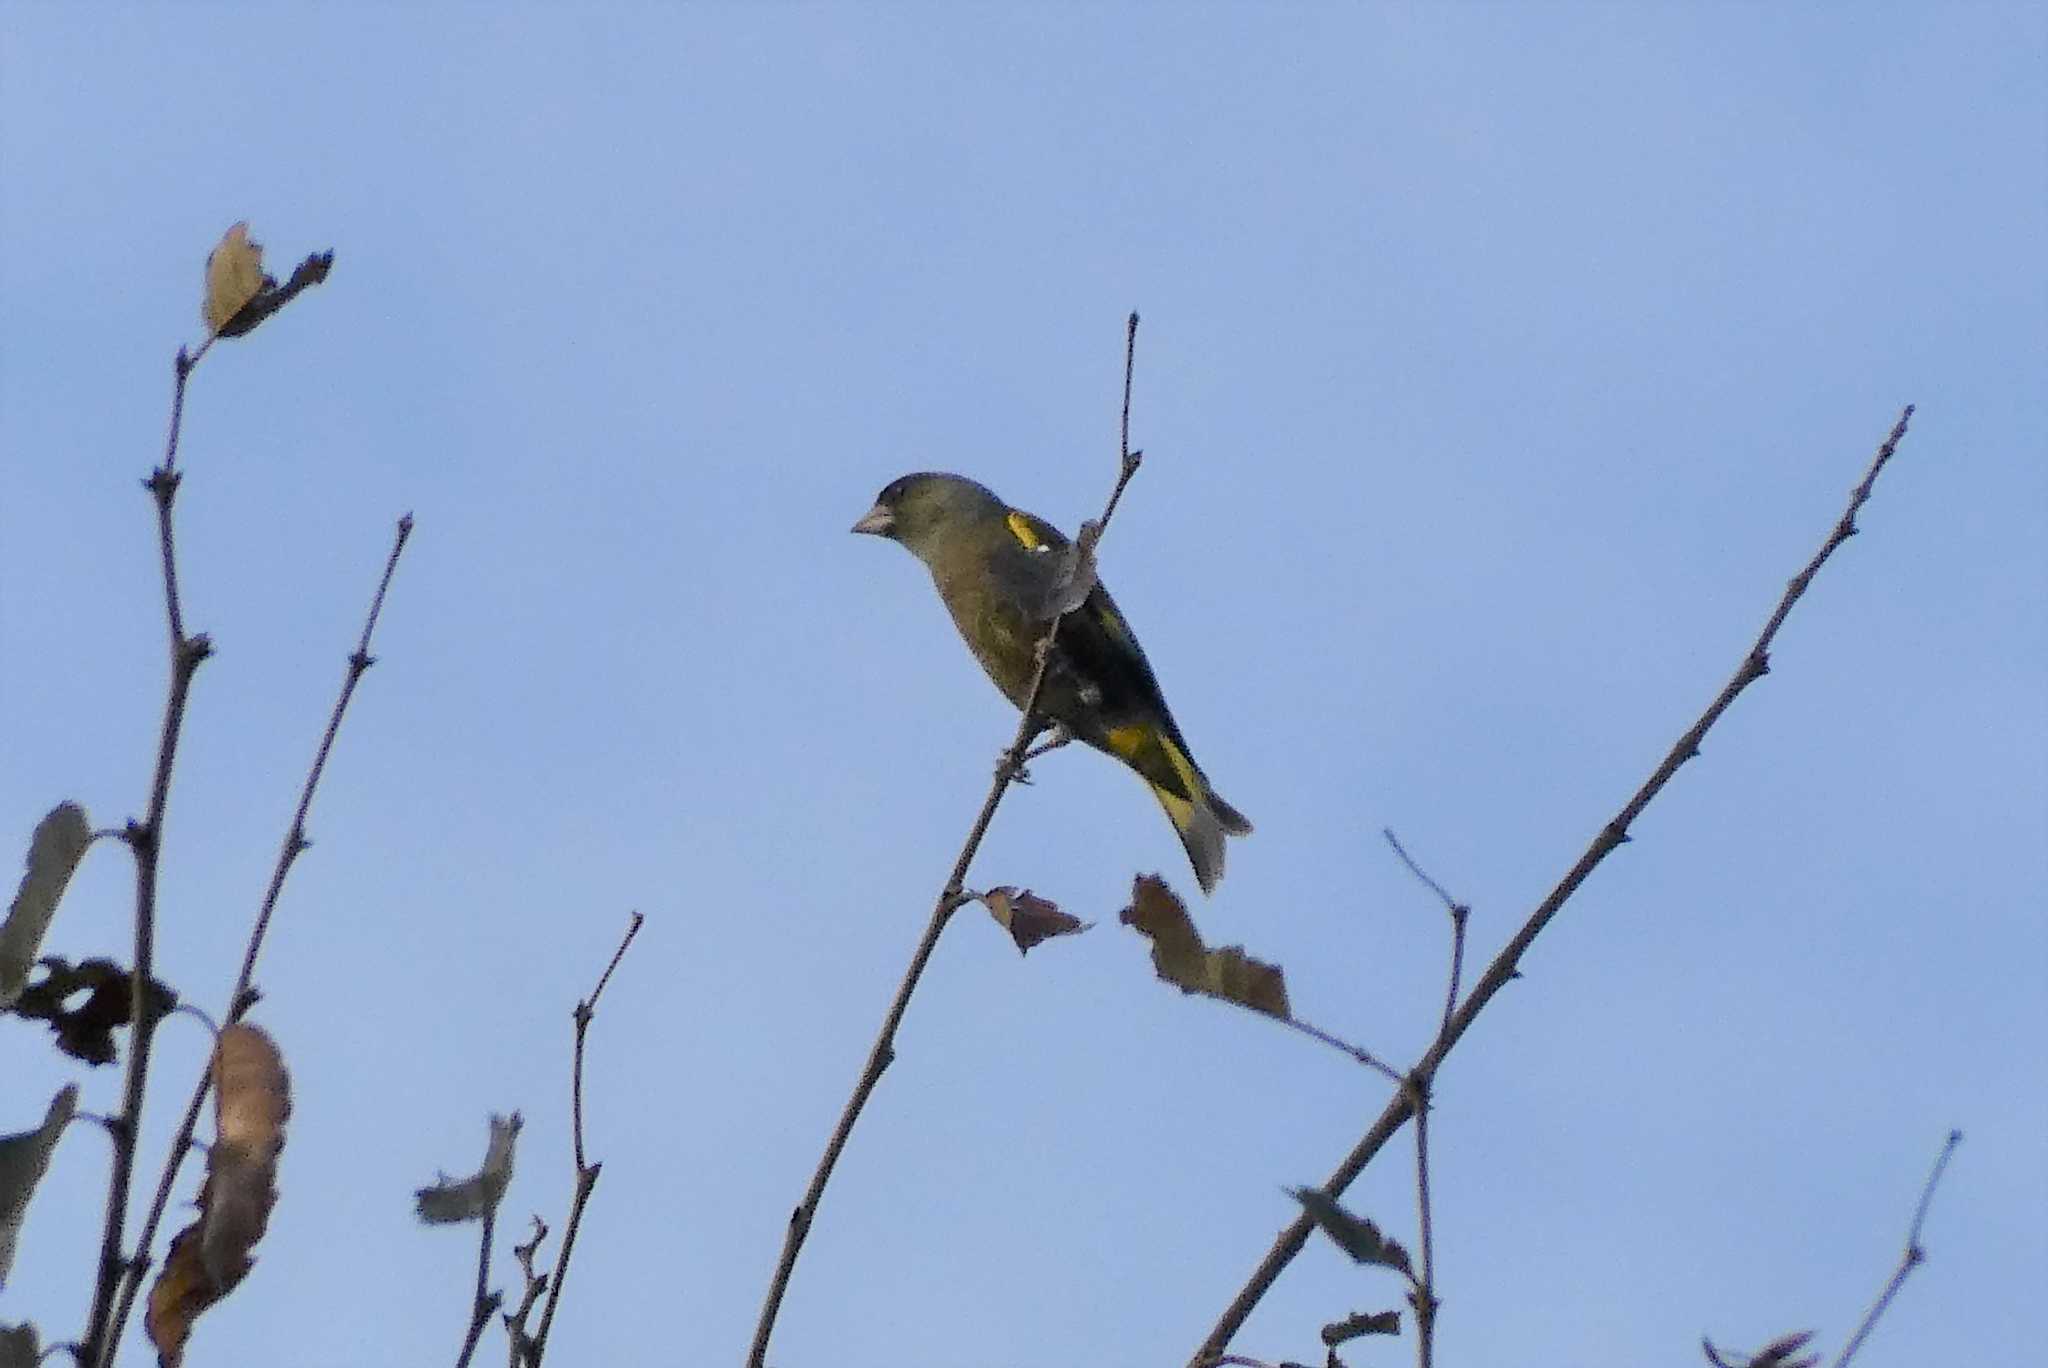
(1020, 528)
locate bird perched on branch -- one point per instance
(1002, 573)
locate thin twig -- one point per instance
(146, 840)
(1424, 1300)
(295, 843)
(1461, 913)
(1504, 967)
(486, 1300)
(586, 1173)
(883, 1052)
(536, 1283)
(1363, 1056)
(1910, 1260)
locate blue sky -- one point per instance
(1498, 366)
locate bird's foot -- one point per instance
(1060, 736)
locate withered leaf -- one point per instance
(1355, 1235)
(1074, 579)
(239, 295)
(54, 851)
(19, 1347)
(1779, 1353)
(87, 1031)
(209, 1258)
(450, 1200)
(24, 1158)
(234, 276)
(1362, 1323)
(1180, 957)
(1029, 918)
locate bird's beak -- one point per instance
(877, 520)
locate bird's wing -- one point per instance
(1099, 649)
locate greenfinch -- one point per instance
(1000, 572)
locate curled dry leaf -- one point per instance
(1361, 1323)
(87, 1031)
(234, 277)
(1355, 1235)
(24, 1159)
(1782, 1352)
(449, 1200)
(209, 1258)
(239, 295)
(54, 851)
(1180, 957)
(1029, 918)
(1075, 579)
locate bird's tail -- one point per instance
(1199, 815)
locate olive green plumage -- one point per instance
(996, 567)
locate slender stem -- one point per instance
(1504, 966)
(1910, 1260)
(146, 840)
(520, 1344)
(486, 1300)
(883, 1052)
(295, 843)
(1460, 914)
(586, 1173)
(1363, 1056)
(1425, 1288)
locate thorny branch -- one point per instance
(1008, 770)
(1504, 967)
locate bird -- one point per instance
(1001, 573)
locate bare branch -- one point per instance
(1910, 1260)
(486, 1301)
(586, 1173)
(1504, 967)
(1424, 1298)
(883, 1052)
(1460, 914)
(241, 999)
(145, 839)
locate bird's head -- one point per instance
(919, 510)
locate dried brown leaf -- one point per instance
(54, 851)
(1180, 957)
(87, 1031)
(1362, 1323)
(209, 1258)
(1355, 1235)
(450, 1200)
(1029, 918)
(234, 277)
(1782, 1352)
(1074, 580)
(239, 295)
(24, 1158)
